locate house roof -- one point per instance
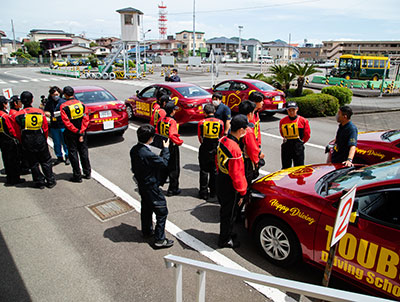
(251, 42)
(221, 40)
(2, 34)
(9, 41)
(189, 31)
(49, 31)
(129, 10)
(65, 47)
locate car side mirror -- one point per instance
(213, 87)
(137, 92)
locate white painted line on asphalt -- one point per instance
(24, 81)
(35, 80)
(215, 256)
(280, 137)
(45, 80)
(14, 82)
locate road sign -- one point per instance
(7, 92)
(343, 215)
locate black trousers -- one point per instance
(40, 157)
(153, 201)
(9, 153)
(227, 198)
(208, 170)
(292, 151)
(174, 168)
(77, 151)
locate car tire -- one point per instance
(129, 110)
(277, 241)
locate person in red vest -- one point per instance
(158, 109)
(15, 105)
(75, 117)
(209, 131)
(231, 180)
(295, 131)
(32, 131)
(9, 146)
(167, 127)
(258, 99)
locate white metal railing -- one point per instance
(309, 290)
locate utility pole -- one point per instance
(13, 31)
(290, 55)
(240, 43)
(194, 28)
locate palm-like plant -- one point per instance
(301, 72)
(282, 76)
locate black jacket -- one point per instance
(147, 166)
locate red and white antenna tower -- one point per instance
(162, 21)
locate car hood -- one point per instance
(374, 136)
(300, 179)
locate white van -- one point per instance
(266, 60)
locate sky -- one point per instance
(265, 20)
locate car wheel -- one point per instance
(277, 242)
(130, 112)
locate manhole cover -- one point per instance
(110, 208)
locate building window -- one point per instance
(185, 36)
(138, 20)
(128, 19)
(198, 36)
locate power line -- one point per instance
(246, 8)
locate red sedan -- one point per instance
(292, 212)
(375, 146)
(189, 98)
(106, 112)
(236, 91)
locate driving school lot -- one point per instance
(54, 249)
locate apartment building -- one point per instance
(186, 36)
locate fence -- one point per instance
(309, 290)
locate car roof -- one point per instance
(176, 84)
(87, 88)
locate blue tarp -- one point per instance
(141, 49)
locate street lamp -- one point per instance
(144, 42)
(240, 43)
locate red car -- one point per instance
(189, 98)
(236, 91)
(291, 214)
(375, 146)
(106, 112)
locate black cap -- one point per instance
(170, 106)
(291, 104)
(239, 121)
(3, 100)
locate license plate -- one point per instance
(108, 125)
(104, 114)
(280, 105)
(278, 98)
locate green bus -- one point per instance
(361, 67)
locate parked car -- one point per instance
(60, 63)
(374, 146)
(106, 112)
(189, 98)
(83, 61)
(292, 212)
(73, 62)
(236, 91)
(12, 61)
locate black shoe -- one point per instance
(15, 182)
(162, 244)
(229, 244)
(75, 179)
(25, 172)
(172, 193)
(51, 185)
(57, 161)
(67, 162)
(203, 195)
(87, 176)
(40, 185)
(212, 194)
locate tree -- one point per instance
(181, 53)
(301, 72)
(93, 44)
(33, 48)
(282, 76)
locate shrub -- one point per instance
(343, 94)
(292, 92)
(317, 104)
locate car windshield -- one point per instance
(391, 136)
(263, 86)
(192, 91)
(96, 96)
(345, 179)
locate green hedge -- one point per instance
(292, 92)
(343, 94)
(317, 104)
